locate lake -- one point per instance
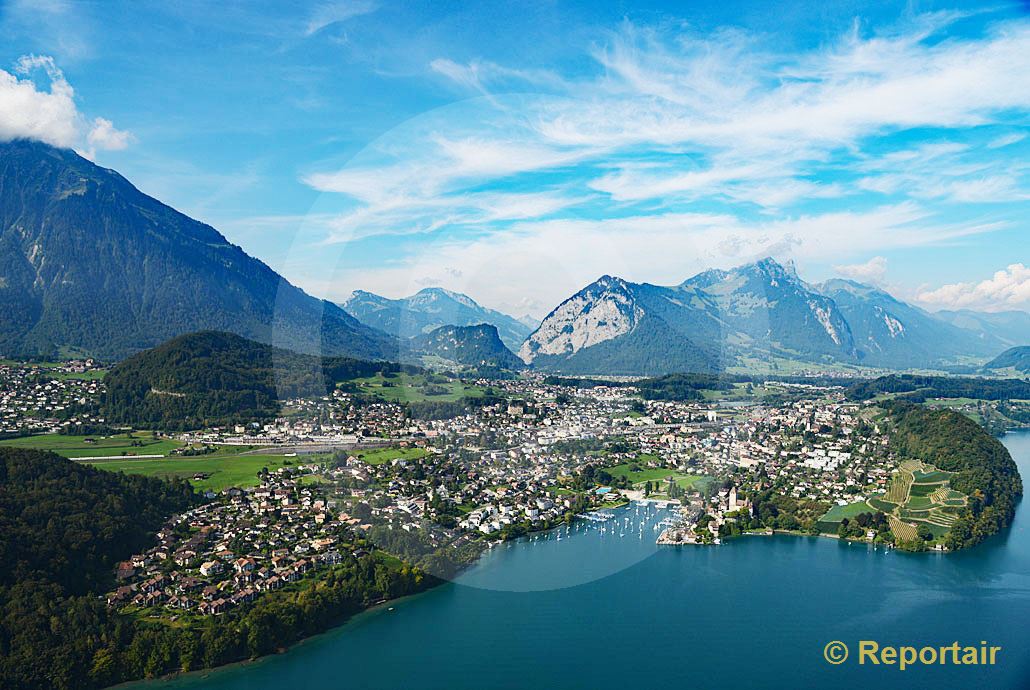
(603, 606)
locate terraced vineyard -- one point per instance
(921, 494)
(902, 480)
(902, 530)
(918, 493)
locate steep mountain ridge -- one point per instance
(89, 264)
(892, 333)
(721, 318)
(429, 309)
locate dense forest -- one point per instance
(984, 469)
(63, 527)
(682, 386)
(213, 378)
(919, 388)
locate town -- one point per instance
(36, 399)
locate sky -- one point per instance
(518, 151)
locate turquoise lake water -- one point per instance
(605, 607)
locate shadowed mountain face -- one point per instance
(476, 346)
(1017, 358)
(429, 309)
(89, 264)
(892, 333)
(723, 318)
(770, 307)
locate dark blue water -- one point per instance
(608, 608)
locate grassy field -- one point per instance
(77, 447)
(223, 470)
(226, 467)
(384, 455)
(838, 513)
(91, 375)
(648, 474)
(416, 388)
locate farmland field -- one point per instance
(926, 489)
(931, 477)
(902, 530)
(924, 498)
(651, 474)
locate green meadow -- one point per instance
(403, 387)
(227, 466)
(650, 474)
(220, 471)
(838, 513)
(140, 443)
(380, 456)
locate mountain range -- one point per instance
(999, 329)
(429, 309)
(89, 265)
(759, 311)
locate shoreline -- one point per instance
(335, 627)
(202, 673)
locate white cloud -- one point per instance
(673, 142)
(27, 112)
(1008, 288)
(1006, 140)
(482, 75)
(329, 13)
(49, 113)
(104, 135)
(674, 116)
(873, 271)
(543, 261)
(944, 170)
(718, 92)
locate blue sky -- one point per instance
(517, 151)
